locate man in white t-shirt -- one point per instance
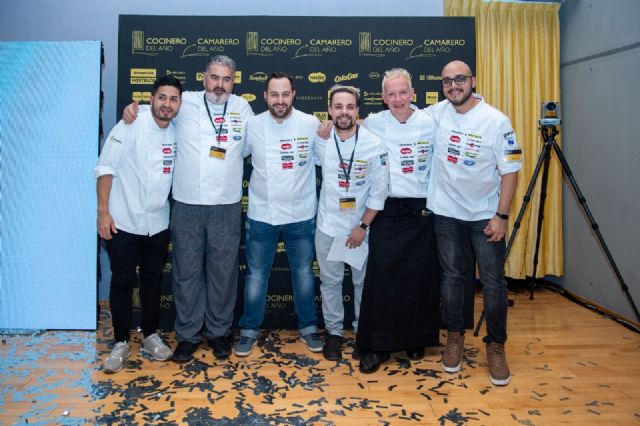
(475, 170)
(282, 200)
(206, 214)
(134, 178)
(354, 188)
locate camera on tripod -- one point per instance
(550, 113)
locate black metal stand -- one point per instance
(549, 132)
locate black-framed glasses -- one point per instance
(459, 79)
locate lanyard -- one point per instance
(224, 112)
(347, 172)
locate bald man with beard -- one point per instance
(475, 172)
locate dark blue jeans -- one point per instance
(457, 240)
(260, 248)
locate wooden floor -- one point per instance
(569, 365)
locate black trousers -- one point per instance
(127, 251)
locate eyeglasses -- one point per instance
(459, 79)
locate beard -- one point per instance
(465, 97)
(275, 113)
(217, 98)
(167, 115)
(344, 125)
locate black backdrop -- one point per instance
(317, 52)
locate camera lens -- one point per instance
(551, 106)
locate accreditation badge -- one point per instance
(512, 155)
(217, 152)
(347, 203)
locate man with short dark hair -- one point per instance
(354, 188)
(282, 199)
(206, 217)
(476, 164)
(134, 178)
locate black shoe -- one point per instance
(332, 349)
(371, 361)
(415, 354)
(356, 353)
(221, 347)
(184, 351)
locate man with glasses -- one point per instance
(475, 170)
(205, 222)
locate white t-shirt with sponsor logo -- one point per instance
(201, 178)
(140, 157)
(282, 188)
(410, 148)
(472, 151)
(343, 203)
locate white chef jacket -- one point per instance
(140, 156)
(200, 178)
(282, 188)
(410, 148)
(472, 151)
(367, 180)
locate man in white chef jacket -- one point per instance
(206, 215)
(475, 166)
(354, 189)
(282, 200)
(134, 179)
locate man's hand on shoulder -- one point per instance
(130, 113)
(324, 129)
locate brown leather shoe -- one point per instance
(452, 357)
(499, 373)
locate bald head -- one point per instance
(456, 68)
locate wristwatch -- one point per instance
(363, 225)
(502, 216)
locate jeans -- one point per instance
(331, 277)
(126, 251)
(456, 238)
(260, 248)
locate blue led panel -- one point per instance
(49, 118)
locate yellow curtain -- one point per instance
(518, 67)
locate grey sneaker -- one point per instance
(313, 341)
(498, 369)
(154, 346)
(452, 357)
(244, 346)
(115, 361)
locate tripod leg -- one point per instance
(480, 321)
(527, 197)
(543, 198)
(595, 227)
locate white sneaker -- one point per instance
(154, 346)
(115, 361)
